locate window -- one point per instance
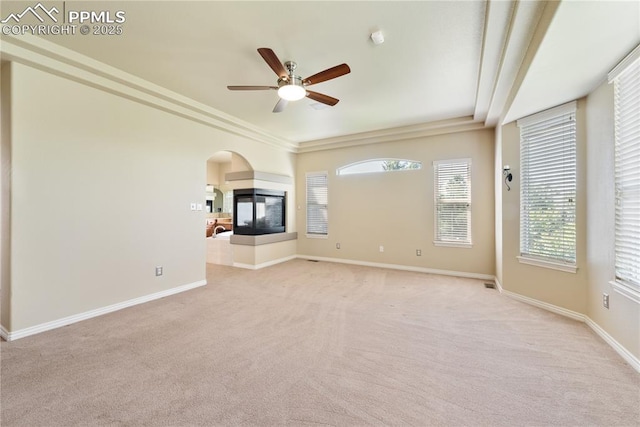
(317, 200)
(548, 188)
(227, 203)
(452, 193)
(627, 177)
(379, 165)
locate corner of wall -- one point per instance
(616, 321)
(5, 197)
(498, 199)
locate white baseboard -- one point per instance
(549, 307)
(623, 352)
(264, 264)
(32, 330)
(619, 348)
(498, 284)
(401, 267)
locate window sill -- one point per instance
(567, 268)
(317, 236)
(626, 291)
(453, 244)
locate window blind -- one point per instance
(548, 186)
(317, 201)
(627, 176)
(452, 192)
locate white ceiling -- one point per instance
(441, 60)
(585, 40)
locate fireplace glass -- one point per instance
(259, 211)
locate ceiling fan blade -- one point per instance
(320, 97)
(280, 105)
(251, 87)
(272, 60)
(331, 73)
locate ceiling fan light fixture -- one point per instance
(292, 92)
(291, 87)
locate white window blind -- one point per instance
(627, 176)
(452, 193)
(317, 201)
(548, 186)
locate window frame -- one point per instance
(624, 77)
(551, 116)
(344, 170)
(315, 235)
(437, 233)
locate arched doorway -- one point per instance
(219, 200)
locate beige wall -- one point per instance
(238, 164)
(213, 173)
(112, 181)
(263, 254)
(275, 251)
(567, 290)
(622, 319)
(5, 195)
(216, 172)
(395, 209)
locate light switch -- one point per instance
(193, 206)
(199, 206)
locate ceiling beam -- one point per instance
(522, 25)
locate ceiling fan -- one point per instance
(292, 87)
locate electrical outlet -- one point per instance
(381, 248)
(158, 271)
(605, 300)
(337, 245)
(418, 252)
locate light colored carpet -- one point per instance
(306, 343)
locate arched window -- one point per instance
(379, 165)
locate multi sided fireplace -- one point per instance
(258, 211)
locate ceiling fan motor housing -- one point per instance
(290, 80)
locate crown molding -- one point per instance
(462, 124)
(623, 65)
(50, 57)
